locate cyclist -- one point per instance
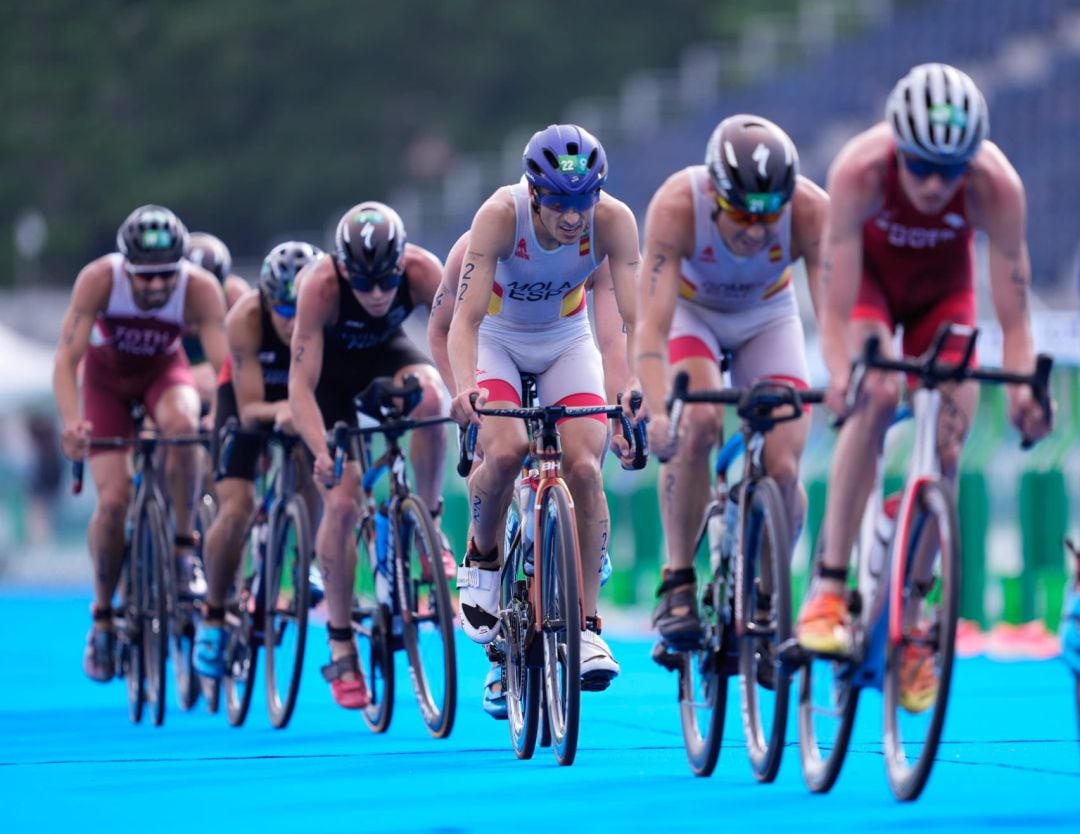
(906, 197)
(253, 392)
(211, 253)
(348, 332)
(126, 315)
(720, 241)
(521, 306)
(613, 350)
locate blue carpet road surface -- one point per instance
(71, 761)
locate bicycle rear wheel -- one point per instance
(182, 630)
(427, 618)
(151, 550)
(374, 636)
(561, 625)
(521, 678)
(765, 604)
(924, 600)
(702, 678)
(287, 595)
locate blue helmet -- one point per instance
(565, 159)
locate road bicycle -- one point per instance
(541, 611)
(904, 594)
(746, 592)
(403, 597)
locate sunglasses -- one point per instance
(147, 272)
(367, 283)
(748, 218)
(286, 311)
(922, 168)
(563, 203)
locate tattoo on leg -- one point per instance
(476, 502)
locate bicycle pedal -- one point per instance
(667, 657)
(791, 655)
(595, 683)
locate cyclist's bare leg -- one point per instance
(177, 413)
(851, 475)
(583, 443)
(335, 547)
(685, 479)
(427, 448)
(783, 451)
(112, 478)
(491, 485)
(225, 539)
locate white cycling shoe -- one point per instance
(598, 666)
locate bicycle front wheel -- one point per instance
(130, 638)
(287, 596)
(924, 600)
(702, 676)
(427, 618)
(244, 621)
(151, 552)
(765, 606)
(560, 602)
(522, 678)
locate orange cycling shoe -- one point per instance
(350, 694)
(918, 678)
(824, 624)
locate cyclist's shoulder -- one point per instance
(863, 160)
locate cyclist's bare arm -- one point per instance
(317, 304)
(425, 273)
(669, 230)
(89, 297)
(998, 205)
(490, 238)
(235, 289)
(244, 329)
(809, 210)
(616, 231)
(204, 314)
(442, 310)
(855, 186)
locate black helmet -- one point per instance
(210, 253)
(370, 243)
(152, 239)
(753, 164)
(277, 280)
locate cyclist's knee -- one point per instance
(583, 472)
(504, 458)
(112, 506)
(340, 508)
(701, 427)
(177, 422)
(883, 395)
(784, 469)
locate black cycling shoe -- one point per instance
(99, 657)
(676, 616)
(191, 581)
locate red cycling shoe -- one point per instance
(350, 694)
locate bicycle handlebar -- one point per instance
(755, 404)
(338, 437)
(78, 467)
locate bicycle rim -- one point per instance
(152, 551)
(374, 638)
(702, 680)
(286, 609)
(827, 705)
(242, 647)
(930, 601)
(561, 626)
(427, 618)
(131, 654)
(766, 610)
(521, 680)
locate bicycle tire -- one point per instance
(424, 600)
(244, 620)
(182, 647)
(521, 679)
(561, 627)
(132, 662)
(764, 519)
(702, 682)
(371, 621)
(932, 502)
(151, 550)
(288, 563)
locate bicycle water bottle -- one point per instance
(884, 528)
(717, 525)
(526, 499)
(731, 520)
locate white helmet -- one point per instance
(937, 113)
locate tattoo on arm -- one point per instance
(69, 337)
(463, 286)
(1020, 282)
(437, 303)
(654, 275)
(298, 355)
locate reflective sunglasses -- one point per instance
(286, 311)
(923, 168)
(747, 218)
(563, 203)
(367, 283)
(148, 272)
